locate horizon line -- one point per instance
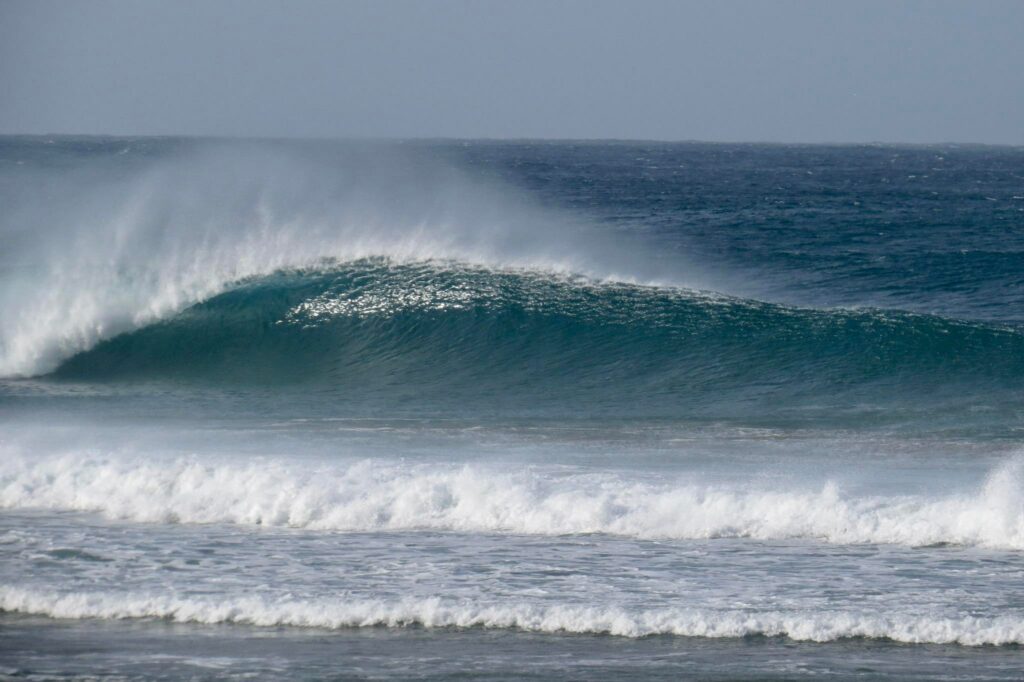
(516, 139)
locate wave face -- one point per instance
(443, 333)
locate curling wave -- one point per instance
(387, 278)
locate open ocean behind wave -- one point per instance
(507, 409)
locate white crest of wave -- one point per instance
(434, 612)
(98, 251)
(376, 495)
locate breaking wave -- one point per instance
(384, 277)
(379, 496)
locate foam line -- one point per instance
(438, 612)
(377, 495)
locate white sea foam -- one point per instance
(91, 256)
(378, 495)
(436, 612)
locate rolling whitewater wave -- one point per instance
(376, 329)
(372, 495)
(565, 618)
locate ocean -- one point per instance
(444, 409)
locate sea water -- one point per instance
(447, 409)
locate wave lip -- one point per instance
(436, 612)
(375, 496)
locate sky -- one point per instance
(915, 71)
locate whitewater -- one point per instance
(262, 401)
(370, 495)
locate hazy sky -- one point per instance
(776, 71)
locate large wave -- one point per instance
(384, 277)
